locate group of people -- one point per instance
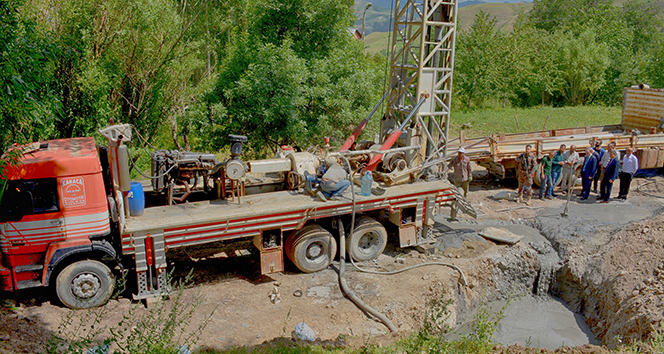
(599, 166)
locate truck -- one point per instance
(642, 128)
(65, 225)
(72, 220)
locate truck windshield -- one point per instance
(27, 197)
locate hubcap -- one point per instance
(314, 250)
(85, 285)
(368, 241)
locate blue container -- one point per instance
(367, 182)
(136, 199)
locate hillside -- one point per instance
(505, 12)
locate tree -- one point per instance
(295, 76)
(25, 56)
(581, 62)
(476, 73)
(528, 73)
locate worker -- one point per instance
(629, 166)
(312, 182)
(526, 163)
(334, 182)
(546, 182)
(572, 159)
(462, 171)
(557, 166)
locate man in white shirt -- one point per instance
(629, 167)
(571, 161)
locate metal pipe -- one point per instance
(363, 124)
(394, 135)
(362, 152)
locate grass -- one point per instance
(484, 122)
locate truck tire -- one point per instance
(368, 240)
(311, 249)
(84, 284)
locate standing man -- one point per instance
(572, 159)
(588, 171)
(557, 167)
(604, 161)
(546, 182)
(462, 172)
(526, 165)
(629, 167)
(610, 175)
(600, 152)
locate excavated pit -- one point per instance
(595, 276)
(518, 280)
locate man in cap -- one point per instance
(334, 182)
(462, 171)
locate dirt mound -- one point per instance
(620, 287)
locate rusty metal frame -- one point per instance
(422, 61)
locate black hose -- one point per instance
(342, 263)
(344, 286)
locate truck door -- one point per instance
(33, 219)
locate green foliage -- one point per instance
(484, 122)
(476, 74)
(25, 56)
(581, 62)
(295, 76)
(161, 329)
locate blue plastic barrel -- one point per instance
(136, 199)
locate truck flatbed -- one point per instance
(200, 222)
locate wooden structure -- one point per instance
(642, 128)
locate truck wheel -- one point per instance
(311, 249)
(368, 240)
(84, 284)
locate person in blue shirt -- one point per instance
(588, 171)
(600, 153)
(557, 166)
(610, 175)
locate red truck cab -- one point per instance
(54, 224)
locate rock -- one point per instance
(505, 195)
(183, 349)
(303, 332)
(101, 349)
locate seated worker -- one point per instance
(312, 182)
(334, 182)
